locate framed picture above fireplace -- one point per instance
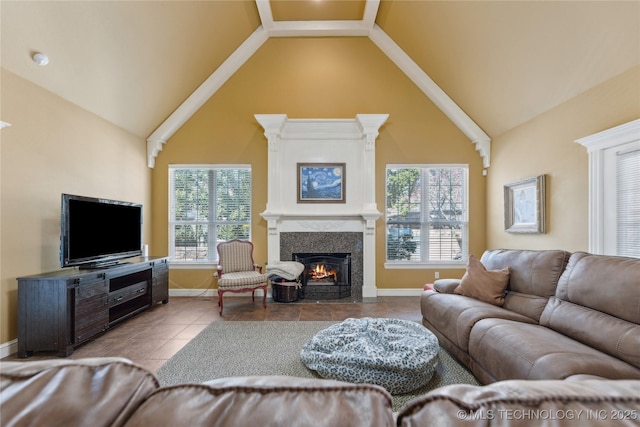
(321, 182)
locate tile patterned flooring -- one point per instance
(153, 337)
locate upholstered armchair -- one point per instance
(237, 272)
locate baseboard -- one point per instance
(404, 292)
(204, 293)
(8, 348)
(193, 292)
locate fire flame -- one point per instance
(320, 272)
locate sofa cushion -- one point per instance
(533, 277)
(266, 401)
(82, 392)
(525, 403)
(609, 284)
(614, 336)
(598, 303)
(485, 285)
(454, 316)
(513, 350)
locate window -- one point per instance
(427, 214)
(628, 201)
(207, 204)
(614, 190)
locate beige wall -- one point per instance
(317, 78)
(54, 147)
(546, 145)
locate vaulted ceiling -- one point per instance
(502, 63)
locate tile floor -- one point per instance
(152, 337)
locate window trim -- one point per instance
(596, 146)
(190, 264)
(440, 264)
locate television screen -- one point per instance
(99, 231)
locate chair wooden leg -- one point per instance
(264, 297)
(253, 295)
(220, 300)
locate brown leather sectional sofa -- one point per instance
(564, 315)
(565, 341)
(115, 392)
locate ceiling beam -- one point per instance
(354, 28)
(370, 13)
(433, 91)
(266, 17)
(318, 29)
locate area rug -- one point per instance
(247, 348)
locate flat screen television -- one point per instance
(98, 232)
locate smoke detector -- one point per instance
(40, 59)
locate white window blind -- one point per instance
(628, 203)
(427, 214)
(207, 204)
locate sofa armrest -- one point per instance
(446, 286)
(82, 392)
(267, 401)
(523, 403)
(26, 368)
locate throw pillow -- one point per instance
(482, 284)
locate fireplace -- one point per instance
(325, 276)
(296, 226)
(315, 243)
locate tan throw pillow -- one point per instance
(482, 284)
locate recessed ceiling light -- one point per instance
(40, 59)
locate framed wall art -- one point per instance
(524, 206)
(321, 182)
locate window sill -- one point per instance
(175, 265)
(461, 265)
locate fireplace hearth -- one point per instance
(326, 275)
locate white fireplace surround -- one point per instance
(349, 141)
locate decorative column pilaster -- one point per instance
(369, 125)
(273, 125)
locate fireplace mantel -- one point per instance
(348, 141)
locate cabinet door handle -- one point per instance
(119, 298)
(141, 290)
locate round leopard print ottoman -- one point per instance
(398, 355)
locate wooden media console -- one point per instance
(60, 310)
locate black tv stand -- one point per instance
(60, 310)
